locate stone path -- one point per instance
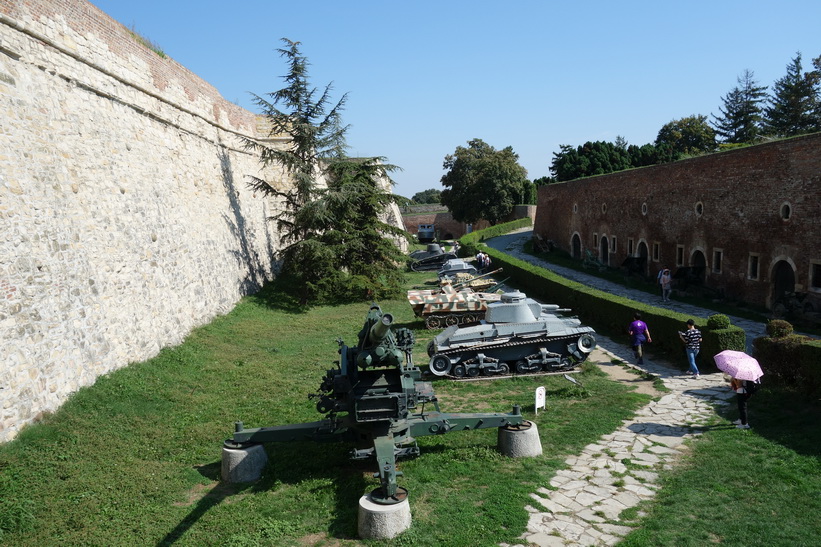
(585, 502)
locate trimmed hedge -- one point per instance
(471, 241)
(607, 313)
(790, 359)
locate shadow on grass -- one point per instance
(784, 417)
(292, 464)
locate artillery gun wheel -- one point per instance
(433, 322)
(521, 366)
(459, 371)
(451, 320)
(503, 369)
(440, 365)
(431, 348)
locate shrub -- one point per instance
(718, 321)
(778, 328)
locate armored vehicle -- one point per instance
(450, 305)
(518, 334)
(456, 266)
(433, 258)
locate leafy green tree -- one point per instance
(794, 104)
(690, 136)
(543, 181)
(335, 248)
(431, 195)
(482, 182)
(742, 117)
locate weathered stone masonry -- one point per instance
(751, 217)
(125, 216)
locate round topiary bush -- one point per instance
(778, 328)
(718, 321)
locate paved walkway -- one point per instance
(584, 503)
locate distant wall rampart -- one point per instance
(126, 220)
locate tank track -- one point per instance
(510, 345)
(438, 321)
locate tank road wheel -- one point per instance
(440, 365)
(433, 322)
(521, 366)
(459, 371)
(567, 364)
(503, 370)
(470, 319)
(473, 371)
(586, 343)
(451, 320)
(431, 348)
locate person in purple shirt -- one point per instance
(639, 335)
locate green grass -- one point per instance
(744, 487)
(135, 459)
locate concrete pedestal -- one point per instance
(520, 441)
(378, 521)
(243, 464)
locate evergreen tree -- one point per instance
(316, 138)
(742, 115)
(335, 247)
(793, 108)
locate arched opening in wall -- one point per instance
(699, 264)
(576, 246)
(644, 253)
(783, 285)
(604, 250)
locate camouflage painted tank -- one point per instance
(448, 305)
(519, 335)
(479, 283)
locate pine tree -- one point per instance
(742, 116)
(793, 108)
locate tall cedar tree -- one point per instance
(794, 104)
(483, 183)
(742, 117)
(317, 138)
(335, 247)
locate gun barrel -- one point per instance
(477, 277)
(381, 328)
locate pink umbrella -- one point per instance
(738, 365)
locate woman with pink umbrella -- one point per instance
(745, 373)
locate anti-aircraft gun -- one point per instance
(375, 398)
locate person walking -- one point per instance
(666, 284)
(692, 344)
(658, 280)
(639, 335)
(744, 390)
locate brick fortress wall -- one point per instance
(732, 203)
(126, 220)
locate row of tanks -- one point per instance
(463, 302)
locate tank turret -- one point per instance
(518, 334)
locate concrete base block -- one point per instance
(243, 464)
(378, 521)
(520, 441)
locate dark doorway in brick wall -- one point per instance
(783, 280)
(643, 252)
(576, 246)
(604, 251)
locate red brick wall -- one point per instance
(444, 222)
(741, 192)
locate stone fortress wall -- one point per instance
(126, 220)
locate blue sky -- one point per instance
(424, 77)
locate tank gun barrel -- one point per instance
(472, 279)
